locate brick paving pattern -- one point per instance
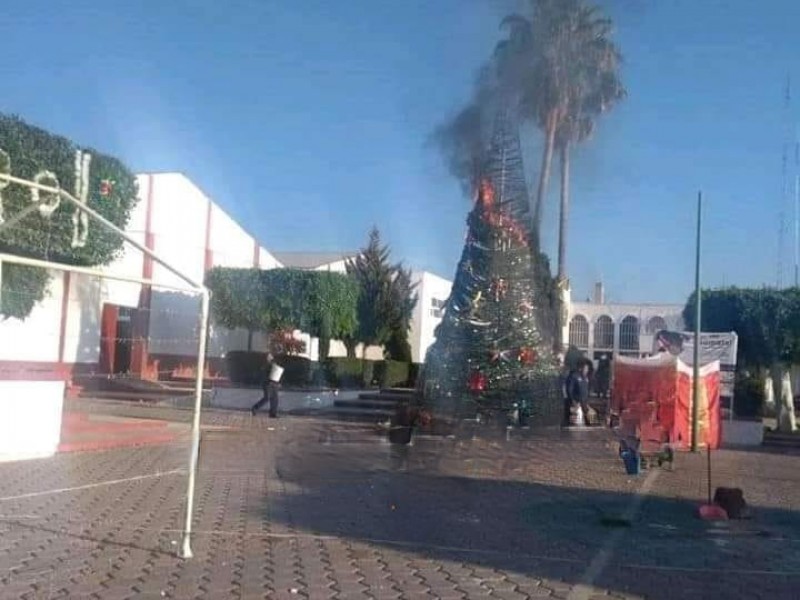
(307, 508)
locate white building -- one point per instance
(599, 328)
(431, 289)
(87, 327)
(433, 292)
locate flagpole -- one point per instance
(697, 314)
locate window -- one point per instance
(579, 331)
(437, 312)
(656, 324)
(629, 334)
(604, 332)
(436, 303)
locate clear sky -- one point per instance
(308, 121)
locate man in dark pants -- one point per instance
(578, 389)
(270, 390)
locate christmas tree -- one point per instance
(490, 354)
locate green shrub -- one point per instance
(414, 370)
(391, 373)
(349, 372)
(244, 367)
(296, 369)
(748, 395)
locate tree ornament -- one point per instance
(80, 219)
(527, 355)
(47, 202)
(476, 382)
(106, 188)
(499, 288)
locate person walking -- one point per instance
(578, 389)
(270, 389)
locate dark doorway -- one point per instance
(123, 341)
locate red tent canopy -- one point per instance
(653, 398)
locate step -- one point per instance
(361, 402)
(362, 414)
(386, 397)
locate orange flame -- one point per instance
(486, 193)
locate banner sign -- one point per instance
(713, 346)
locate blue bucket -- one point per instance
(632, 461)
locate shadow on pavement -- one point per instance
(547, 509)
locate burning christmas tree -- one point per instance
(490, 354)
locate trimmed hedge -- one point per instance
(298, 370)
(414, 370)
(246, 368)
(391, 373)
(349, 372)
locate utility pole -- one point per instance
(697, 315)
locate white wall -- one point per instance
(36, 337)
(427, 317)
(82, 331)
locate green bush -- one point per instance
(391, 373)
(748, 395)
(27, 152)
(244, 367)
(414, 370)
(297, 370)
(349, 372)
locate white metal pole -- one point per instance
(194, 454)
(64, 194)
(49, 264)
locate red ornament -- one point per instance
(477, 382)
(499, 288)
(106, 188)
(527, 356)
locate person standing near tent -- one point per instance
(578, 389)
(270, 385)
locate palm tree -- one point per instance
(592, 88)
(562, 67)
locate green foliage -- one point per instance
(31, 150)
(748, 394)
(386, 298)
(391, 373)
(397, 347)
(414, 371)
(22, 288)
(766, 320)
(320, 303)
(298, 370)
(246, 368)
(349, 372)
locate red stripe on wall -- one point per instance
(62, 329)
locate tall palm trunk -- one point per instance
(563, 216)
(544, 174)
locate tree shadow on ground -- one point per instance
(475, 503)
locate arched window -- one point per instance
(604, 333)
(656, 324)
(579, 332)
(629, 334)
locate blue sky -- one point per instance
(308, 121)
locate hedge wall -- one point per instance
(29, 152)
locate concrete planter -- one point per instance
(742, 433)
(30, 419)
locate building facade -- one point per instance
(599, 328)
(89, 327)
